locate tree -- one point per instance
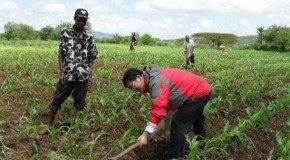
(2, 36)
(282, 38)
(45, 32)
(147, 39)
(19, 31)
(274, 37)
(88, 27)
(117, 38)
(58, 28)
(216, 39)
(55, 33)
(260, 32)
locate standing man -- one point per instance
(133, 42)
(77, 51)
(188, 49)
(171, 89)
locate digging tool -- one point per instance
(126, 151)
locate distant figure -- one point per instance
(188, 49)
(223, 48)
(133, 42)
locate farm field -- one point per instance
(248, 116)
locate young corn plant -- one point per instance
(228, 103)
(284, 145)
(128, 137)
(8, 84)
(52, 155)
(212, 108)
(1, 123)
(53, 136)
(144, 112)
(92, 143)
(35, 142)
(28, 103)
(77, 149)
(82, 120)
(102, 118)
(127, 116)
(237, 135)
(270, 156)
(217, 145)
(114, 115)
(215, 148)
(4, 150)
(27, 124)
(193, 148)
(245, 95)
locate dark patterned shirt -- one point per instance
(77, 53)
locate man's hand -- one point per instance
(62, 77)
(143, 139)
(162, 125)
(90, 81)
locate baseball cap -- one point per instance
(82, 13)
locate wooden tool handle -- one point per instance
(132, 147)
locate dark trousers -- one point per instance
(188, 114)
(63, 91)
(191, 58)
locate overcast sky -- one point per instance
(164, 19)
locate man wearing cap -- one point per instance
(77, 51)
(188, 49)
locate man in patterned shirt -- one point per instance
(77, 51)
(188, 49)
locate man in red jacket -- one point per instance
(171, 89)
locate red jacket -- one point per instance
(170, 88)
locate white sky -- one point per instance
(164, 19)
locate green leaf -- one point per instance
(279, 137)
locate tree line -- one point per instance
(20, 31)
(273, 37)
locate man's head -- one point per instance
(187, 38)
(81, 13)
(81, 17)
(133, 79)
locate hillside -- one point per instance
(98, 34)
(247, 39)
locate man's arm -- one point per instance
(158, 111)
(91, 64)
(184, 48)
(93, 54)
(61, 70)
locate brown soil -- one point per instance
(257, 145)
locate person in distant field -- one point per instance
(223, 48)
(171, 89)
(77, 51)
(133, 42)
(188, 49)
